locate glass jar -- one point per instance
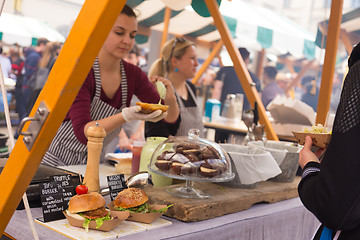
(146, 153)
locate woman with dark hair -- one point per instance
(105, 96)
(178, 64)
(329, 186)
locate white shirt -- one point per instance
(5, 65)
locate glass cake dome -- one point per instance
(191, 158)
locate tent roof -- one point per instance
(251, 26)
(25, 31)
(349, 23)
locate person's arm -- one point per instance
(124, 141)
(330, 190)
(139, 133)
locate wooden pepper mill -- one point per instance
(95, 135)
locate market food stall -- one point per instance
(78, 54)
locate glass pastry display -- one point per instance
(191, 158)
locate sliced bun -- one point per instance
(130, 197)
(150, 107)
(86, 202)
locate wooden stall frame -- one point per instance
(329, 61)
(208, 61)
(86, 37)
(73, 64)
(240, 68)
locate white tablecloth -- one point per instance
(282, 220)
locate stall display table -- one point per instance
(281, 220)
(287, 219)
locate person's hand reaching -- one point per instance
(133, 113)
(306, 155)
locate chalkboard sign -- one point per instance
(55, 196)
(116, 184)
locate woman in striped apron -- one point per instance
(178, 64)
(105, 96)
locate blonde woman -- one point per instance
(178, 64)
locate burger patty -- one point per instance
(96, 213)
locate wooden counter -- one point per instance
(223, 200)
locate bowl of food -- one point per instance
(320, 136)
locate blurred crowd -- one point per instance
(274, 80)
(29, 67)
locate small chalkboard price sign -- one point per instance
(55, 196)
(116, 184)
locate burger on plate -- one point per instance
(89, 207)
(134, 201)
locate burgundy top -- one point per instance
(138, 84)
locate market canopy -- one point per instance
(25, 31)
(349, 24)
(251, 26)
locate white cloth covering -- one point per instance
(252, 165)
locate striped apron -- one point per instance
(66, 149)
(190, 116)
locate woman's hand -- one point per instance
(133, 113)
(306, 155)
(170, 98)
(170, 93)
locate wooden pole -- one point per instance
(240, 68)
(330, 60)
(164, 38)
(260, 65)
(86, 37)
(207, 62)
(220, 60)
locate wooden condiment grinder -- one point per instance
(95, 135)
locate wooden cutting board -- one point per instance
(222, 200)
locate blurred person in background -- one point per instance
(32, 58)
(227, 82)
(5, 64)
(271, 89)
(17, 65)
(311, 92)
(46, 62)
(178, 63)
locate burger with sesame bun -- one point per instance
(88, 207)
(134, 200)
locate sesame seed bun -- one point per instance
(130, 197)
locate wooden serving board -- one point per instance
(222, 200)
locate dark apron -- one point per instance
(66, 149)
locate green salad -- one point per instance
(144, 208)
